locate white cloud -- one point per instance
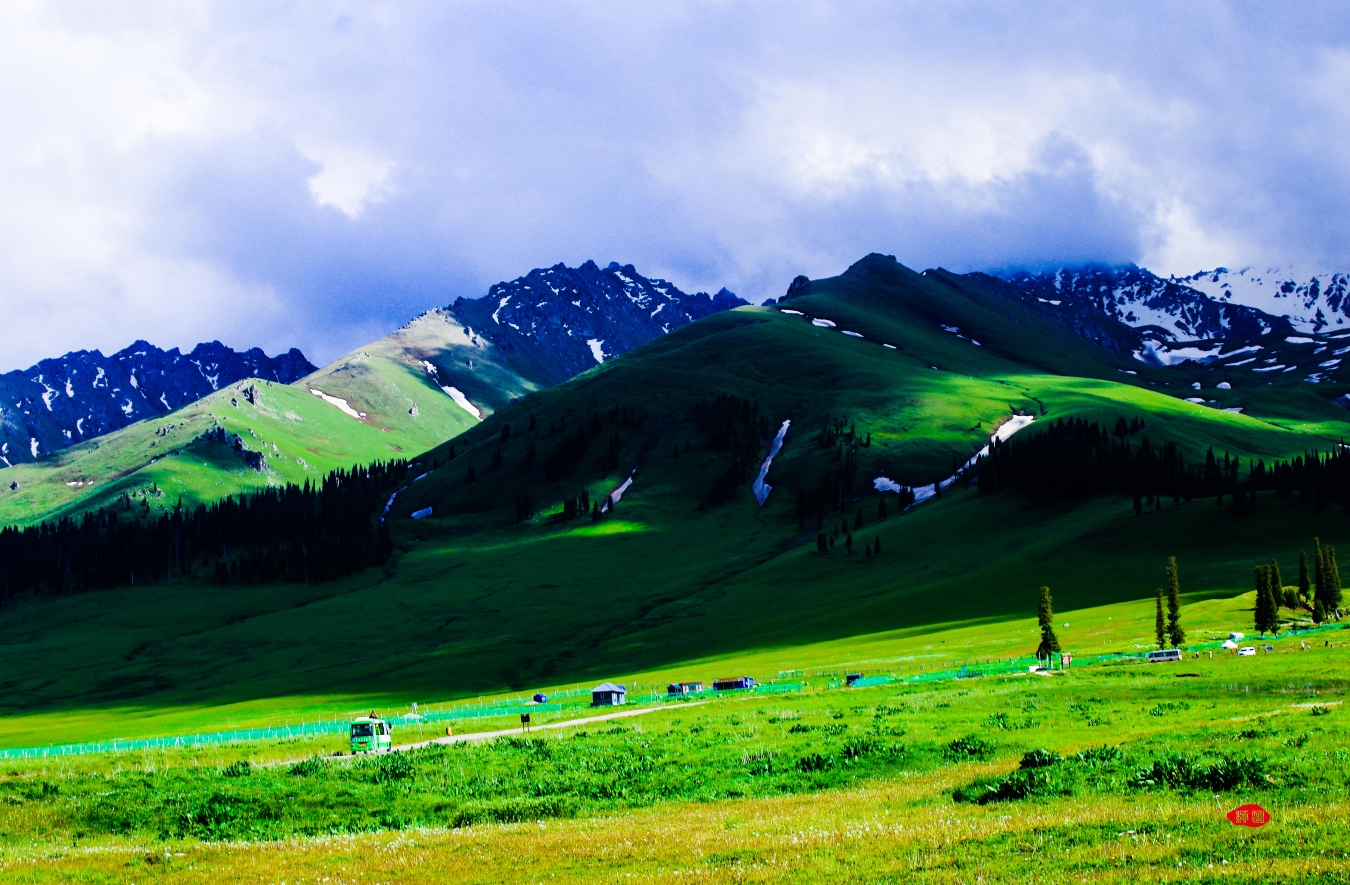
(307, 173)
(348, 179)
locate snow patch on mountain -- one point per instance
(339, 402)
(462, 401)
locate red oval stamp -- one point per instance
(1251, 815)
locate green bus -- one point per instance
(371, 734)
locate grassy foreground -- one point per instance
(1119, 772)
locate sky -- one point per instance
(314, 174)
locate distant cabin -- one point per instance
(733, 683)
(607, 694)
(683, 688)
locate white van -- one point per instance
(1163, 655)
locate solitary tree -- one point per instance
(1304, 585)
(1174, 631)
(1046, 616)
(1276, 580)
(876, 544)
(1160, 625)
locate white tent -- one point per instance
(1228, 643)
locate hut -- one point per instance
(684, 688)
(607, 694)
(733, 683)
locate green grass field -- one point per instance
(676, 584)
(926, 780)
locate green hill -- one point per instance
(377, 403)
(688, 565)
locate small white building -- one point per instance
(607, 694)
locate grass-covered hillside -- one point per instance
(496, 589)
(379, 403)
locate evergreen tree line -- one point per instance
(569, 451)
(732, 424)
(1319, 594)
(833, 491)
(1076, 458)
(310, 533)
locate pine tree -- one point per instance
(848, 543)
(1304, 585)
(1276, 580)
(1174, 631)
(1046, 616)
(881, 508)
(1333, 581)
(1159, 624)
(876, 545)
(1263, 617)
(1319, 576)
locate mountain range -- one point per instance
(84, 394)
(549, 325)
(554, 323)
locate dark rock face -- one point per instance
(557, 322)
(84, 394)
(799, 286)
(1144, 301)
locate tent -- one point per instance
(1229, 644)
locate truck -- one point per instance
(371, 734)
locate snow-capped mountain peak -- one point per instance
(559, 321)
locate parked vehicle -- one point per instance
(1164, 655)
(371, 734)
(1247, 651)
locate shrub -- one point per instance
(1098, 755)
(1179, 771)
(1169, 707)
(1319, 710)
(1040, 759)
(967, 748)
(241, 768)
(760, 764)
(835, 728)
(1017, 785)
(858, 747)
(815, 762)
(391, 767)
(800, 728)
(309, 767)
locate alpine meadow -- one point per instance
(1021, 567)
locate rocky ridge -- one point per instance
(84, 394)
(554, 323)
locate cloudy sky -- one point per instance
(315, 173)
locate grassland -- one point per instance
(907, 780)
